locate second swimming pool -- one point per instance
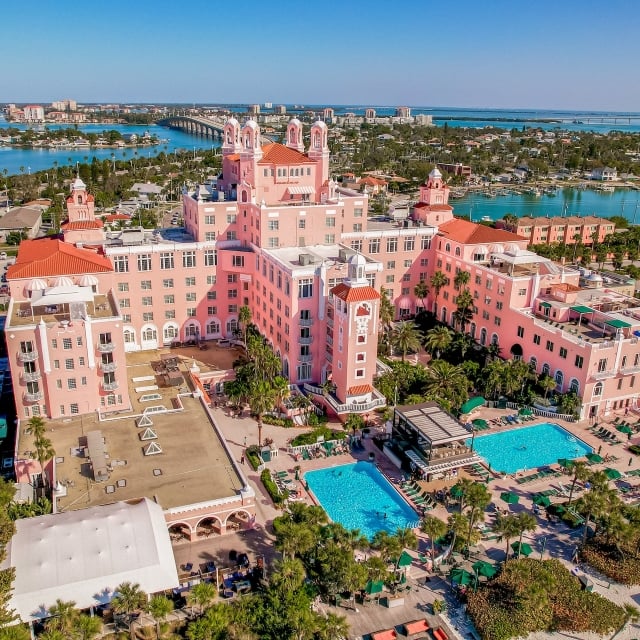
(529, 447)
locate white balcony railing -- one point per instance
(108, 367)
(306, 340)
(110, 386)
(33, 396)
(307, 358)
(27, 356)
(106, 347)
(603, 375)
(306, 322)
(31, 376)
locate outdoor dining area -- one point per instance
(168, 371)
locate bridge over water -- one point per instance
(206, 127)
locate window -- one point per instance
(597, 389)
(191, 312)
(425, 242)
(391, 264)
(210, 258)
(188, 259)
(305, 288)
(329, 238)
(274, 243)
(212, 311)
(520, 332)
(190, 296)
(74, 408)
(559, 379)
(210, 236)
(356, 245)
(574, 386)
(231, 293)
(147, 301)
(68, 364)
(237, 261)
(602, 365)
(209, 219)
(190, 281)
(213, 327)
(121, 264)
(549, 346)
(273, 225)
(170, 299)
(123, 286)
(167, 283)
(409, 244)
(563, 352)
(71, 383)
(66, 343)
(126, 317)
(405, 291)
(212, 295)
(170, 314)
(536, 338)
(374, 245)
(147, 316)
(144, 262)
(497, 321)
(125, 303)
(231, 235)
(232, 277)
(392, 245)
(359, 373)
(579, 362)
(302, 223)
(212, 279)
(357, 227)
(233, 308)
(522, 292)
(81, 361)
(407, 264)
(357, 212)
(166, 260)
(145, 285)
(499, 305)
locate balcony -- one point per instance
(329, 322)
(307, 358)
(110, 386)
(355, 407)
(627, 370)
(31, 376)
(108, 367)
(306, 322)
(34, 396)
(28, 356)
(307, 340)
(106, 347)
(603, 375)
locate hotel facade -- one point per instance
(274, 232)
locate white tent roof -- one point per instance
(61, 295)
(84, 555)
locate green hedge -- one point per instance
(312, 436)
(635, 449)
(271, 487)
(278, 422)
(253, 456)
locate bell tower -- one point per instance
(434, 208)
(319, 149)
(80, 204)
(294, 135)
(231, 137)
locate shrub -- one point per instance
(635, 449)
(252, 454)
(278, 422)
(608, 560)
(534, 595)
(271, 487)
(312, 436)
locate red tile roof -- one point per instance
(82, 225)
(276, 153)
(48, 257)
(466, 232)
(359, 389)
(433, 207)
(117, 216)
(373, 181)
(354, 294)
(234, 157)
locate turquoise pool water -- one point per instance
(528, 447)
(358, 496)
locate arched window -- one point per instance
(458, 252)
(559, 379)
(472, 330)
(447, 248)
(546, 369)
(443, 314)
(149, 334)
(245, 196)
(533, 361)
(232, 327)
(129, 336)
(574, 386)
(285, 368)
(597, 389)
(213, 327)
(494, 338)
(170, 332)
(191, 331)
(483, 337)
(636, 360)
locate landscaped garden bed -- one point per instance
(620, 564)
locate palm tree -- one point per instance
(406, 538)
(44, 451)
(244, 318)
(457, 524)
(261, 400)
(434, 528)
(507, 527)
(87, 627)
(438, 340)
(446, 382)
(36, 427)
(421, 290)
(437, 281)
(406, 337)
(526, 522)
(160, 607)
(15, 632)
(387, 311)
(493, 376)
(389, 546)
(281, 390)
(547, 383)
(354, 422)
(202, 595)
(478, 499)
(580, 472)
(332, 626)
(129, 599)
(288, 574)
(464, 311)
(63, 616)
(461, 278)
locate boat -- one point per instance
(486, 219)
(607, 188)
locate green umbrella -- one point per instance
(565, 463)
(485, 569)
(624, 429)
(525, 411)
(509, 497)
(541, 501)
(456, 491)
(594, 458)
(405, 560)
(480, 423)
(460, 576)
(612, 474)
(524, 548)
(373, 587)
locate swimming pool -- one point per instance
(358, 496)
(529, 447)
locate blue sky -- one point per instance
(565, 54)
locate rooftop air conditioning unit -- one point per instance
(304, 259)
(344, 254)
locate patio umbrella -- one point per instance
(525, 411)
(612, 474)
(594, 458)
(509, 497)
(461, 576)
(479, 423)
(485, 569)
(405, 560)
(624, 428)
(373, 587)
(541, 501)
(456, 491)
(565, 463)
(524, 548)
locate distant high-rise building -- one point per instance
(33, 113)
(370, 114)
(403, 112)
(254, 109)
(328, 114)
(280, 110)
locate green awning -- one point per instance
(582, 309)
(472, 404)
(522, 549)
(618, 324)
(374, 586)
(405, 560)
(545, 305)
(612, 474)
(541, 501)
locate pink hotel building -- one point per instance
(274, 232)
